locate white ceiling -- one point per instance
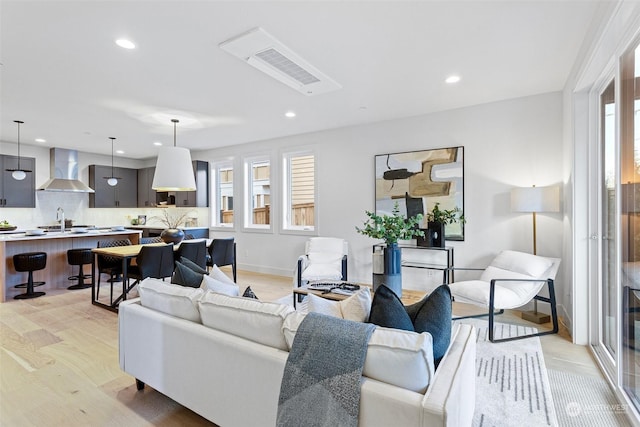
(63, 75)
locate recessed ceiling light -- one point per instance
(127, 44)
(453, 79)
(290, 114)
(40, 140)
(119, 152)
(157, 143)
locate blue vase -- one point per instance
(393, 268)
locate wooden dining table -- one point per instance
(125, 253)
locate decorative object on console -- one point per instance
(419, 179)
(437, 219)
(112, 180)
(391, 228)
(18, 174)
(174, 170)
(535, 200)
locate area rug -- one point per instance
(512, 386)
(585, 401)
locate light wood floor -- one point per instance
(59, 363)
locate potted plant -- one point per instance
(436, 220)
(391, 228)
(171, 234)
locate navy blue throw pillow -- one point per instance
(388, 311)
(192, 265)
(431, 314)
(248, 293)
(184, 276)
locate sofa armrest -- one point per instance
(450, 398)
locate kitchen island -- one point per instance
(55, 244)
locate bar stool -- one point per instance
(79, 257)
(30, 261)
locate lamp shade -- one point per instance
(174, 170)
(535, 199)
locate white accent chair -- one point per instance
(512, 280)
(325, 258)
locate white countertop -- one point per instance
(18, 235)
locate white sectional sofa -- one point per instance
(223, 357)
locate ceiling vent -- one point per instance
(262, 51)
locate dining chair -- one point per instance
(152, 261)
(195, 251)
(223, 252)
(110, 265)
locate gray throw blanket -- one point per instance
(321, 381)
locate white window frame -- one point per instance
(285, 221)
(247, 198)
(215, 199)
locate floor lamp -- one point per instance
(535, 200)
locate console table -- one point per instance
(429, 258)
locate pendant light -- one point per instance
(18, 174)
(174, 170)
(112, 180)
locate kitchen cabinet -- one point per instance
(146, 194)
(193, 199)
(14, 193)
(122, 195)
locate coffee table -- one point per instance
(408, 296)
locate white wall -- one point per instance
(507, 144)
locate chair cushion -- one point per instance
(184, 276)
(357, 307)
(400, 358)
(523, 263)
(220, 287)
(326, 245)
(432, 314)
(322, 272)
(508, 296)
(178, 301)
(254, 320)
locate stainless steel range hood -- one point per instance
(64, 172)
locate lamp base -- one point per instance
(536, 317)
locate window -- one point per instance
(258, 193)
(222, 207)
(299, 191)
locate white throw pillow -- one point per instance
(400, 358)
(357, 307)
(218, 274)
(175, 300)
(247, 318)
(214, 285)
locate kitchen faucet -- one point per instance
(60, 217)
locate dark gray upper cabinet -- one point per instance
(146, 194)
(123, 195)
(14, 193)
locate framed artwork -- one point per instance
(417, 180)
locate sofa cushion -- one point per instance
(192, 265)
(175, 300)
(432, 314)
(356, 307)
(214, 285)
(251, 319)
(400, 358)
(184, 276)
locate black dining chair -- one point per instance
(147, 240)
(195, 251)
(152, 261)
(110, 265)
(223, 252)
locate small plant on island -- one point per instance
(391, 228)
